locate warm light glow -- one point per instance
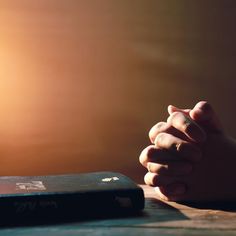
(60, 76)
(81, 81)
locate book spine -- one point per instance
(71, 205)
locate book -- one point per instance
(67, 197)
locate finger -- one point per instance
(186, 125)
(153, 179)
(172, 192)
(161, 195)
(187, 150)
(171, 109)
(158, 128)
(171, 168)
(202, 112)
(154, 154)
(163, 127)
(205, 114)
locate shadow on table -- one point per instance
(224, 206)
(154, 211)
(157, 211)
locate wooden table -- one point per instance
(158, 218)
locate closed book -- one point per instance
(64, 197)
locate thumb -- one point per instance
(204, 114)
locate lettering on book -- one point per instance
(30, 206)
(112, 179)
(32, 185)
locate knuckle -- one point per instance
(152, 179)
(175, 115)
(157, 168)
(160, 126)
(145, 154)
(181, 122)
(142, 158)
(160, 138)
(146, 179)
(187, 125)
(151, 134)
(155, 130)
(149, 179)
(162, 169)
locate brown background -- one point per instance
(82, 82)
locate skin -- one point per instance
(191, 158)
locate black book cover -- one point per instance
(63, 197)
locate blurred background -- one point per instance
(82, 82)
